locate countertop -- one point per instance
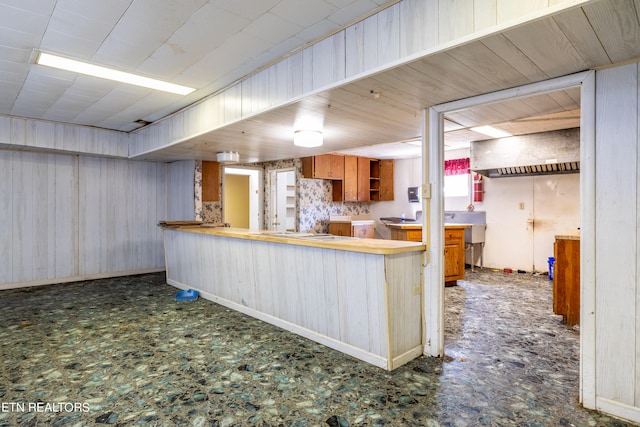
(575, 235)
(353, 244)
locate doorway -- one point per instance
(433, 176)
(241, 197)
(282, 200)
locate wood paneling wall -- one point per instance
(399, 33)
(75, 217)
(180, 190)
(21, 133)
(617, 311)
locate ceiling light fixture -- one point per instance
(228, 157)
(110, 74)
(491, 131)
(307, 138)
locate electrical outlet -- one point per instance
(521, 206)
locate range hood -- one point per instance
(542, 153)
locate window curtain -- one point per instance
(456, 167)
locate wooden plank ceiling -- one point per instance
(386, 107)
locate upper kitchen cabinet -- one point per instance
(210, 181)
(351, 186)
(324, 166)
(380, 180)
(354, 178)
(367, 180)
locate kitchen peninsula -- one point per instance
(359, 296)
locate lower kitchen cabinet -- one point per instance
(453, 247)
(453, 255)
(362, 229)
(413, 234)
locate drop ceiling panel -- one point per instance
(20, 19)
(249, 9)
(303, 12)
(17, 39)
(66, 45)
(108, 12)
(12, 55)
(272, 28)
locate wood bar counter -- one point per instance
(359, 296)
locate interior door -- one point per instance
(283, 200)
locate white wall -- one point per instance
(68, 217)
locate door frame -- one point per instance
(433, 206)
(256, 189)
(273, 195)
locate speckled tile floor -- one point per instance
(123, 352)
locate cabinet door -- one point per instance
(362, 231)
(363, 179)
(350, 185)
(414, 235)
(322, 166)
(386, 179)
(210, 181)
(451, 260)
(336, 166)
(340, 228)
(453, 255)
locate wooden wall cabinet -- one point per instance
(380, 180)
(386, 179)
(355, 179)
(324, 166)
(453, 256)
(350, 182)
(210, 181)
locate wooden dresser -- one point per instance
(566, 278)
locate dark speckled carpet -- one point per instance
(123, 352)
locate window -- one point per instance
(456, 178)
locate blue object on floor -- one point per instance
(551, 261)
(187, 295)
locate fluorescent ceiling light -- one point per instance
(307, 138)
(491, 131)
(109, 74)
